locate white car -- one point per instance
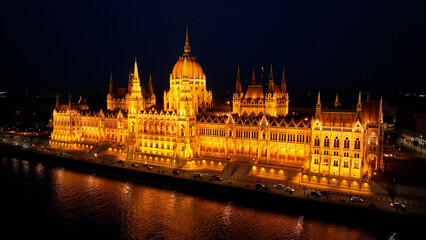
(356, 199)
(289, 190)
(397, 205)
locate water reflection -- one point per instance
(84, 204)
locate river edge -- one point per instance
(316, 210)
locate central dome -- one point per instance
(187, 66)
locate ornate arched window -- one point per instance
(326, 142)
(336, 142)
(357, 144)
(317, 141)
(347, 143)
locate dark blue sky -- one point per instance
(52, 46)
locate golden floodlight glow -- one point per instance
(258, 129)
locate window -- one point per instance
(346, 154)
(373, 138)
(316, 161)
(325, 161)
(316, 142)
(345, 164)
(326, 142)
(336, 163)
(356, 165)
(356, 155)
(357, 144)
(336, 153)
(347, 142)
(325, 152)
(316, 151)
(336, 142)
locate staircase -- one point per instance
(237, 169)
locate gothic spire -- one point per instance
(57, 105)
(283, 83)
(253, 80)
(271, 81)
(318, 109)
(336, 102)
(238, 88)
(111, 85)
(319, 100)
(359, 105)
(135, 71)
(69, 102)
(150, 88)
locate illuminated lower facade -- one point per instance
(335, 147)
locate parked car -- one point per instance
(279, 186)
(323, 192)
(356, 199)
(315, 194)
(176, 171)
(261, 186)
(135, 165)
(397, 205)
(218, 178)
(121, 161)
(198, 175)
(289, 190)
(149, 167)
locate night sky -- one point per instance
(52, 46)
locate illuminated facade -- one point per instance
(335, 145)
(256, 100)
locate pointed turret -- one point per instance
(271, 81)
(111, 85)
(69, 102)
(336, 102)
(187, 48)
(283, 83)
(359, 108)
(135, 71)
(129, 84)
(359, 105)
(58, 104)
(150, 88)
(381, 110)
(318, 108)
(238, 88)
(253, 80)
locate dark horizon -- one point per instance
(55, 47)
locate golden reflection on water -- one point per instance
(144, 211)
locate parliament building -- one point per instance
(334, 147)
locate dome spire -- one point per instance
(187, 48)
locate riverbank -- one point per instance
(231, 189)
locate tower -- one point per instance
(188, 93)
(135, 101)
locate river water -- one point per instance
(42, 200)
